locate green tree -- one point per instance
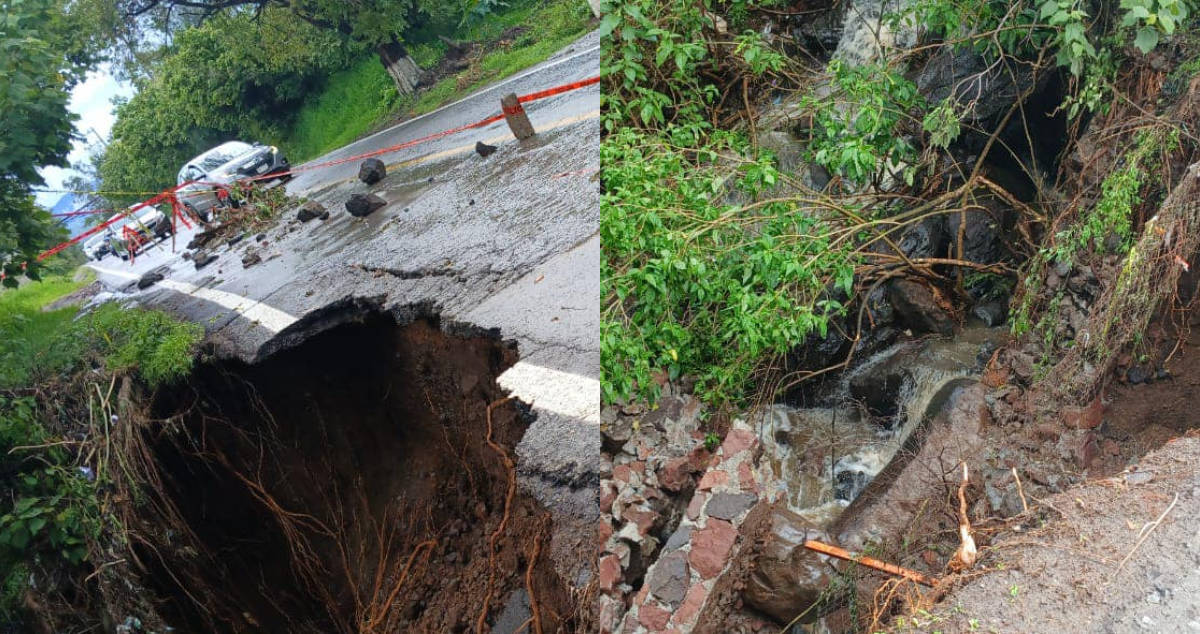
(37, 69)
(378, 25)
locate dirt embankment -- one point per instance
(363, 481)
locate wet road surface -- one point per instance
(507, 242)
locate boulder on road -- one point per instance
(202, 258)
(483, 149)
(361, 205)
(372, 171)
(310, 210)
(149, 279)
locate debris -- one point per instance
(250, 259)
(966, 554)
(202, 259)
(149, 279)
(372, 171)
(308, 211)
(870, 562)
(361, 205)
(483, 149)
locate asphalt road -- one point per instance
(508, 242)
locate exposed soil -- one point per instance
(360, 482)
(75, 298)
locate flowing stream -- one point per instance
(823, 457)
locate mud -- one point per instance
(354, 483)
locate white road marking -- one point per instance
(266, 316)
(553, 390)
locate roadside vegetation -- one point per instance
(727, 266)
(276, 78)
(57, 372)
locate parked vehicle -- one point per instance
(205, 179)
(92, 247)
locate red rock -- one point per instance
(737, 440)
(609, 572)
(713, 478)
(1087, 417)
(746, 478)
(1087, 450)
(608, 495)
(639, 466)
(622, 472)
(644, 519)
(695, 506)
(605, 530)
(691, 605)
(711, 546)
(1111, 447)
(676, 474)
(653, 617)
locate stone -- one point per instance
(260, 237)
(149, 279)
(609, 572)
(371, 171)
(250, 259)
(615, 433)
(961, 74)
(692, 603)
(728, 506)
(677, 474)
(308, 211)
(670, 577)
(653, 617)
(711, 546)
(202, 259)
(1137, 374)
(483, 149)
(361, 205)
(696, 505)
(736, 441)
(714, 478)
(918, 308)
(681, 536)
(787, 578)
(1087, 417)
(926, 239)
(993, 313)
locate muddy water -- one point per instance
(823, 457)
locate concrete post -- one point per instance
(514, 113)
(596, 6)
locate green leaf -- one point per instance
(608, 23)
(1146, 40)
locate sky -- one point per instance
(92, 101)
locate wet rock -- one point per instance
(877, 386)
(202, 259)
(361, 205)
(848, 484)
(669, 578)
(260, 237)
(918, 309)
(728, 506)
(1137, 374)
(483, 149)
(821, 33)
(961, 74)
(187, 255)
(372, 171)
(787, 578)
(925, 239)
(149, 279)
(308, 211)
(236, 239)
(983, 241)
(325, 216)
(993, 313)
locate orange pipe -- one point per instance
(870, 562)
